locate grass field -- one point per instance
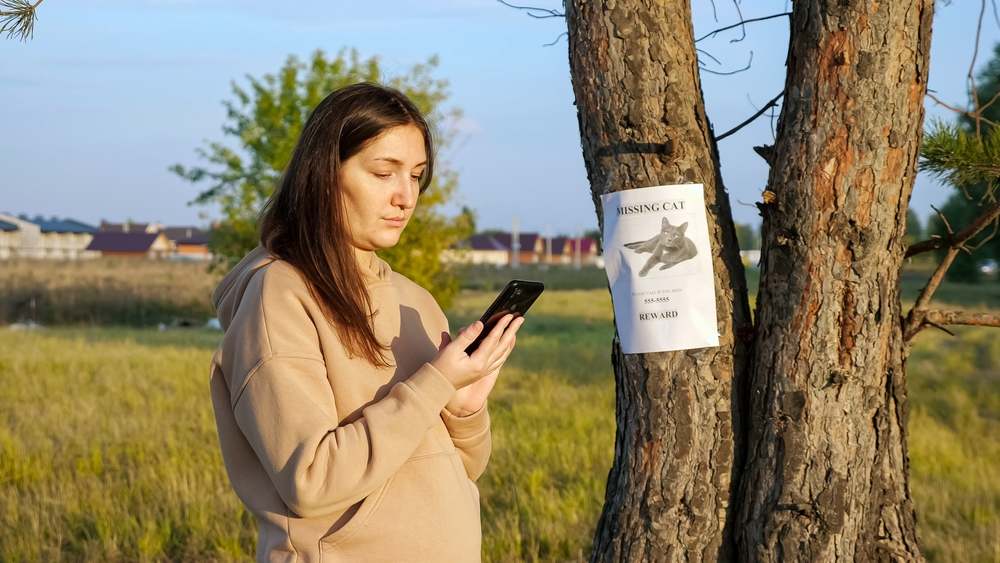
(108, 448)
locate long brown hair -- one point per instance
(304, 221)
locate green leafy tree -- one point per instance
(914, 228)
(265, 121)
(748, 236)
(967, 156)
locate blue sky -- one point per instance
(109, 93)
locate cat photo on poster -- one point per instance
(659, 265)
(667, 248)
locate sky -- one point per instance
(109, 93)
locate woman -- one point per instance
(351, 425)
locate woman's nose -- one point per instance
(405, 194)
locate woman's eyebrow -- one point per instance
(396, 160)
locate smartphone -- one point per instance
(516, 297)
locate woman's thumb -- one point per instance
(445, 340)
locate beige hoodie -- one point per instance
(338, 460)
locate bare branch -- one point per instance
(758, 113)
(556, 40)
(990, 215)
(938, 318)
(956, 242)
(939, 327)
(740, 23)
(971, 318)
(743, 27)
(985, 106)
(933, 243)
(944, 219)
(709, 55)
(973, 114)
(545, 12)
(727, 73)
(973, 91)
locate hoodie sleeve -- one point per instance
(284, 407)
(472, 438)
(471, 434)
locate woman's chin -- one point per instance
(389, 239)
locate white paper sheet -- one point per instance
(659, 264)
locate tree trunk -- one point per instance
(826, 474)
(642, 123)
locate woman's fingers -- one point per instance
(490, 342)
(506, 344)
(501, 359)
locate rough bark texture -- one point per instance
(826, 475)
(642, 123)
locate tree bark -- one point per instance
(642, 123)
(826, 474)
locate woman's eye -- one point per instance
(417, 177)
(386, 175)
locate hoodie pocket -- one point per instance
(361, 515)
(426, 509)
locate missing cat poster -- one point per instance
(659, 266)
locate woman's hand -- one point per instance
(472, 397)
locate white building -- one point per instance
(25, 237)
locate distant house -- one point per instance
(129, 227)
(480, 248)
(130, 244)
(496, 248)
(38, 237)
(529, 248)
(10, 238)
(563, 250)
(189, 243)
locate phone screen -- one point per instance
(516, 297)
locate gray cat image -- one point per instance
(669, 247)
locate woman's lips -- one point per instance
(395, 222)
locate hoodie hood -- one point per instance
(228, 294)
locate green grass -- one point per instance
(108, 448)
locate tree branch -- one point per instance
(973, 91)
(556, 40)
(739, 23)
(727, 73)
(758, 113)
(973, 114)
(990, 215)
(971, 318)
(916, 318)
(545, 12)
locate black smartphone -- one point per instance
(516, 297)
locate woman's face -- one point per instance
(381, 183)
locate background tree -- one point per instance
(642, 123)
(822, 415)
(748, 236)
(826, 473)
(265, 121)
(914, 227)
(967, 156)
